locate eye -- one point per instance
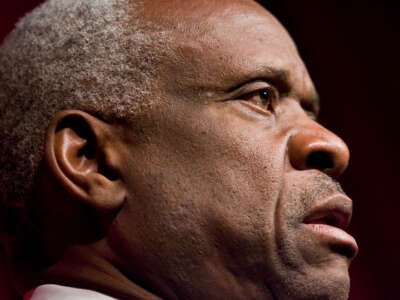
(311, 109)
(312, 115)
(266, 98)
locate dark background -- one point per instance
(351, 49)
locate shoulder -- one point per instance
(56, 292)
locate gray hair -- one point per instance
(92, 55)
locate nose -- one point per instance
(315, 147)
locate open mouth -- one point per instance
(329, 221)
(335, 218)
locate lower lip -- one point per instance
(333, 234)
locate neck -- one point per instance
(84, 269)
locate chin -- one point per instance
(331, 284)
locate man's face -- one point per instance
(229, 177)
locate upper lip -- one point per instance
(335, 211)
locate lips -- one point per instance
(329, 220)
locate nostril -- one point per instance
(320, 160)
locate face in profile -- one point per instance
(232, 194)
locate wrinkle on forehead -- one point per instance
(195, 10)
(215, 43)
(196, 18)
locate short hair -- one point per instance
(93, 55)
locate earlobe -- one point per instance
(81, 156)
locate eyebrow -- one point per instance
(278, 77)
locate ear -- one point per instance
(82, 154)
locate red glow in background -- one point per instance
(351, 49)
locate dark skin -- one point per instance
(223, 189)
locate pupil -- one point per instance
(264, 95)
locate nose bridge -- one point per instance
(312, 146)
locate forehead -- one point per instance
(217, 44)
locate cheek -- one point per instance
(241, 215)
(205, 190)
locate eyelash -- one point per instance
(268, 102)
(310, 111)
